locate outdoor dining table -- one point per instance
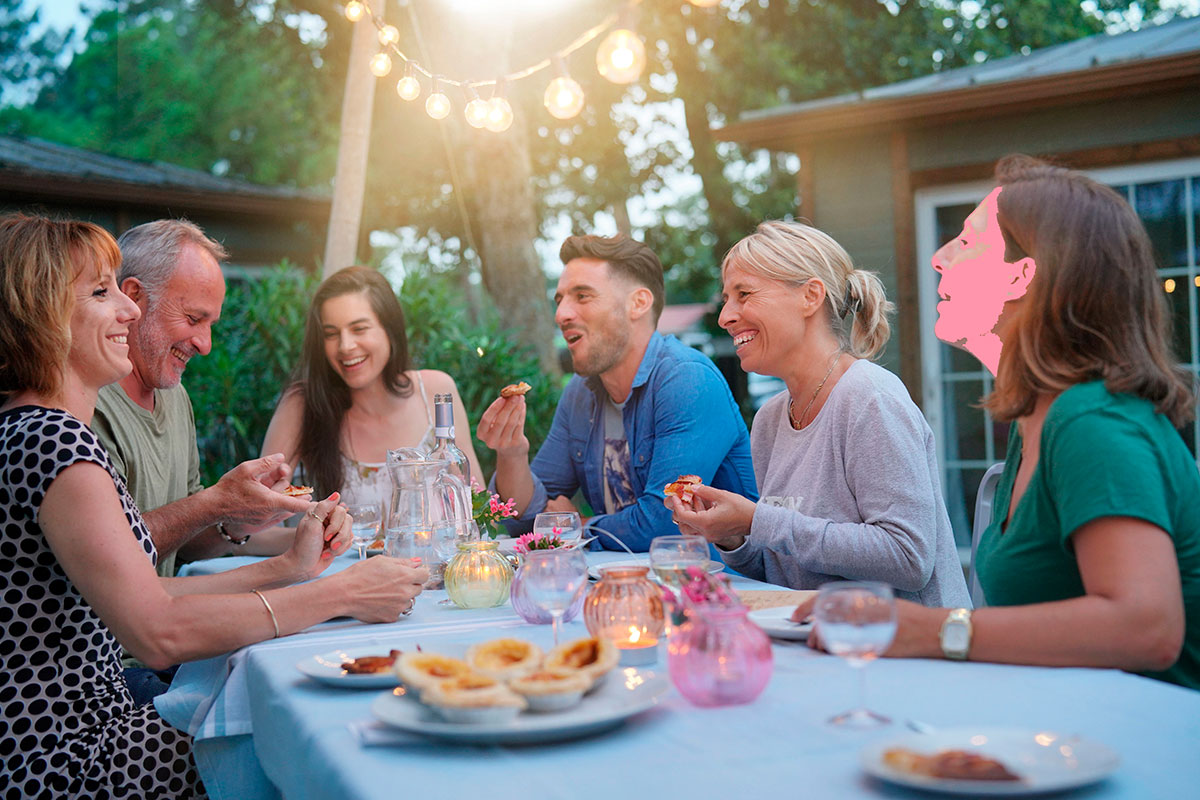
(264, 730)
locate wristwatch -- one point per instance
(225, 535)
(956, 634)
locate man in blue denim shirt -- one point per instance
(641, 410)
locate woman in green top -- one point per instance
(1093, 555)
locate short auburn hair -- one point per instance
(625, 256)
(39, 260)
(1095, 308)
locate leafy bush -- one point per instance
(236, 387)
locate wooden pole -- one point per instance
(349, 183)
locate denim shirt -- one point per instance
(680, 419)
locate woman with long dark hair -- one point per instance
(1092, 557)
(354, 395)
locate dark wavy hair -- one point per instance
(625, 256)
(326, 396)
(1094, 309)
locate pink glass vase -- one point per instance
(719, 657)
(532, 613)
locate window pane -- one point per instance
(965, 419)
(1161, 207)
(1178, 306)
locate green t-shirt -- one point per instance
(155, 451)
(1102, 455)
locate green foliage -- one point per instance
(256, 345)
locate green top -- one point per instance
(154, 451)
(1102, 455)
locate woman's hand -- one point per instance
(382, 588)
(323, 533)
(721, 517)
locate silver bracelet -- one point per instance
(271, 611)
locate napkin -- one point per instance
(754, 599)
(371, 732)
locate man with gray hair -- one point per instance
(173, 272)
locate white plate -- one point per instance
(594, 570)
(777, 622)
(626, 692)
(327, 668)
(1046, 761)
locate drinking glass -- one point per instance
(857, 621)
(553, 579)
(569, 524)
(446, 536)
(670, 557)
(364, 525)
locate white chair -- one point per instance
(983, 518)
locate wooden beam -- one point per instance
(907, 286)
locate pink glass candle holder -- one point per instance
(719, 657)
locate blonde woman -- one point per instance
(845, 461)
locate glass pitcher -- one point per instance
(429, 513)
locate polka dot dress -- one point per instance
(69, 727)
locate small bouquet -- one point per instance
(540, 541)
(700, 588)
(488, 510)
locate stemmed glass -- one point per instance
(364, 525)
(857, 621)
(670, 557)
(568, 523)
(553, 579)
(446, 537)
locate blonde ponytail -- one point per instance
(865, 299)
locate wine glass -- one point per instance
(569, 524)
(670, 557)
(857, 621)
(553, 579)
(446, 536)
(365, 519)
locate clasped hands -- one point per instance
(721, 517)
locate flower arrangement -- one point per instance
(539, 541)
(488, 510)
(700, 588)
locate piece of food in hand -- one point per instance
(297, 491)
(964, 765)
(504, 659)
(514, 389)
(683, 487)
(365, 665)
(551, 689)
(592, 658)
(376, 545)
(473, 698)
(419, 671)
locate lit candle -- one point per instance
(638, 648)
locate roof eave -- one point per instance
(786, 131)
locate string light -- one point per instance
(476, 110)
(437, 105)
(564, 95)
(621, 57)
(381, 65)
(355, 10)
(500, 113)
(388, 35)
(408, 87)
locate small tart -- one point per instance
(551, 689)
(504, 659)
(419, 671)
(514, 389)
(592, 658)
(473, 698)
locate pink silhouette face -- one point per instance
(976, 284)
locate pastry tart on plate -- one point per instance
(551, 689)
(419, 671)
(504, 659)
(592, 658)
(473, 698)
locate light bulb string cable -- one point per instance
(579, 42)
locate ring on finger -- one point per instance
(409, 610)
(312, 512)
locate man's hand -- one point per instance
(721, 517)
(251, 495)
(502, 427)
(562, 503)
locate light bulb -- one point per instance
(621, 56)
(380, 65)
(704, 3)
(437, 105)
(408, 87)
(388, 35)
(564, 97)
(476, 112)
(500, 115)
(355, 10)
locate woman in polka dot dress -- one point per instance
(76, 560)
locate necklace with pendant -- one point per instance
(796, 423)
